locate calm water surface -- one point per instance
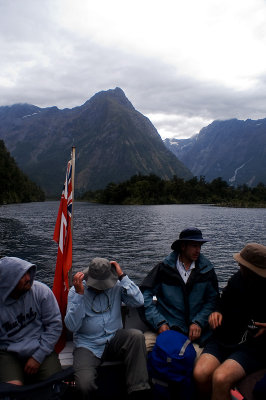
(136, 236)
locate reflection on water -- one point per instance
(136, 236)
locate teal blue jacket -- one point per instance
(179, 304)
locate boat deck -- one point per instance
(66, 355)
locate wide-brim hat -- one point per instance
(253, 256)
(100, 274)
(189, 234)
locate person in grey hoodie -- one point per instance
(30, 324)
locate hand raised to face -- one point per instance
(77, 282)
(117, 268)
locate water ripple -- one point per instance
(137, 237)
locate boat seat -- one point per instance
(247, 384)
(66, 355)
(134, 318)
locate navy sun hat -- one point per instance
(189, 234)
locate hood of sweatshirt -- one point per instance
(12, 270)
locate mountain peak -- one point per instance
(117, 95)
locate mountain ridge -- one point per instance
(113, 140)
(233, 149)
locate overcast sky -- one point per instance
(182, 63)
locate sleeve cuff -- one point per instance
(122, 276)
(197, 323)
(161, 323)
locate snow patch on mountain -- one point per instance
(30, 115)
(233, 179)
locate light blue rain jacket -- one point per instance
(95, 317)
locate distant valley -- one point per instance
(234, 150)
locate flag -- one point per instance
(63, 236)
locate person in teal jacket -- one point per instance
(186, 288)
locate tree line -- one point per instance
(15, 186)
(151, 189)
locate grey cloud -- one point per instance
(55, 67)
(27, 20)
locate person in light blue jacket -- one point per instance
(30, 324)
(94, 317)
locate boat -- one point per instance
(111, 384)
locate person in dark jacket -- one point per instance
(238, 346)
(186, 288)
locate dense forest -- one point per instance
(154, 190)
(15, 186)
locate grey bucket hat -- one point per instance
(100, 274)
(189, 234)
(253, 256)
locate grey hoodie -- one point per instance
(31, 325)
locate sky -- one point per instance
(183, 64)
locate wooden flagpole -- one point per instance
(73, 161)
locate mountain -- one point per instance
(234, 150)
(15, 186)
(113, 142)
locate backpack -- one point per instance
(171, 362)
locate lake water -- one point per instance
(137, 237)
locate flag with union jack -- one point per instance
(63, 236)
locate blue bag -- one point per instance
(172, 361)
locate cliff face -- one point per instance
(233, 150)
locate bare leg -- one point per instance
(224, 379)
(203, 372)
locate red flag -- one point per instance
(63, 236)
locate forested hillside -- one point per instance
(15, 186)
